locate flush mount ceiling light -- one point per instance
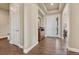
(51, 4)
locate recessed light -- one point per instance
(51, 4)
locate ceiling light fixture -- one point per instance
(51, 4)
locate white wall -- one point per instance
(59, 25)
(22, 24)
(51, 26)
(74, 27)
(4, 23)
(65, 20)
(30, 26)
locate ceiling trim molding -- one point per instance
(44, 7)
(53, 12)
(41, 10)
(61, 7)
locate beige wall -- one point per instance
(74, 27)
(30, 26)
(4, 23)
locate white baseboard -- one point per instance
(4, 36)
(73, 49)
(11, 42)
(54, 36)
(20, 46)
(27, 50)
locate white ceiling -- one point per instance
(4, 6)
(50, 7)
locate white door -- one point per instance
(15, 24)
(51, 29)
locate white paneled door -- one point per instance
(51, 29)
(15, 24)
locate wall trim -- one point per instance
(27, 50)
(20, 46)
(4, 37)
(73, 49)
(54, 37)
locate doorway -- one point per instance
(52, 27)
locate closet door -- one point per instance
(15, 24)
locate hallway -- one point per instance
(51, 46)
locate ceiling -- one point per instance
(46, 7)
(4, 6)
(50, 7)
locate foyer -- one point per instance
(39, 29)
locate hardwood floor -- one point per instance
(9, 49)
(51, 46)
(48, 46)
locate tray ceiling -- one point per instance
(50, 7)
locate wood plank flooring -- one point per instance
(9, 49)
(48, 46)
(51, 46)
